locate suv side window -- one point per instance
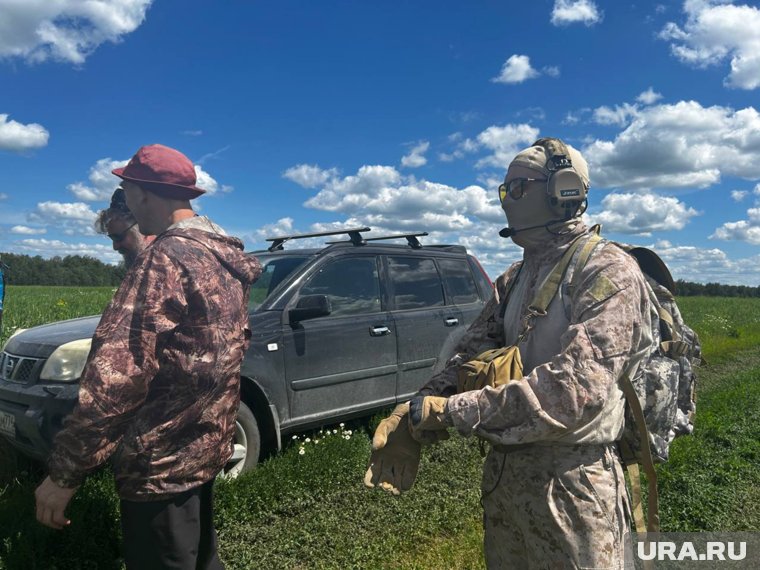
(460, 284)
(352, 285)
(415, 282)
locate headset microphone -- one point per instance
(509, 232)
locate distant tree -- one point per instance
(687, 289)
(74, 270)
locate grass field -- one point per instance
(309, 509)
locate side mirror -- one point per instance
(309, 307)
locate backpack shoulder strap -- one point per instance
(551, 284)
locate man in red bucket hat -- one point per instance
(160, 391)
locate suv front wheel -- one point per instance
(246, 444)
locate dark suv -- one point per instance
(338, 332)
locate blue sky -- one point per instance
(304, 116)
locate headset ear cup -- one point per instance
(565, 186)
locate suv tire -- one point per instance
(246, 444)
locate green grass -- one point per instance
(310, 510)
(29, 306)
(725, 325)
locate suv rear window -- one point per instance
(415, 282)
(460, 284)
(274, 271)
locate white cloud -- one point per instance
(715, 31)
(516, 70)
(49, 248)
(620, 115)
(309, 175)
(642, 214)
(74, 218)
(550, 70)
(744, 230)
(26, 230)
(381, 196)
(738, 195)
(69, 211)
(703, 265)
(210, 184)
(102, 182)
(65, 30)
(567, 12)
(416, 156)
(504, 142)
(678, 146)
(282, 227)
(3, 196)
(18, 137)
(648, 97)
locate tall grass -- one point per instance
(29, 306)
(307, 508)
(725, 325)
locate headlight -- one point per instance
(17, 331)
(67, 362)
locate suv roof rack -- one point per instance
(411, 239)
(354, 235)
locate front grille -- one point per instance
(19, 368)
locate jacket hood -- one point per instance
(227, 249)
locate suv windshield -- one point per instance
(275, 269)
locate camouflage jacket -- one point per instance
(597, 328)
(160, 390)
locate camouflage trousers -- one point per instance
(554, 507)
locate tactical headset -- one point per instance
(565, 188)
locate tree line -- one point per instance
(689, 289)
(72, 270)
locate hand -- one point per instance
(395, 456)
(51, 503)
(428, 417)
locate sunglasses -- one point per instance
(516, 188)
(121, 235)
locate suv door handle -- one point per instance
(379, 331)
(451, 321)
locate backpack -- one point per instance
(661, 396)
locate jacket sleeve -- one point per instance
(610, 331)
(484, 333)
(122, 362)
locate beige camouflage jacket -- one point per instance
(597, 328)
(160, 391)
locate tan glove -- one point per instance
(395, 456)
(428, 417)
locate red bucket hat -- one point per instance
(162, 170)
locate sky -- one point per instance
(304, 116)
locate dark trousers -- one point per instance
(176, 533)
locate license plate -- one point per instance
(8, 424)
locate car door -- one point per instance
(344, 361)
(421, 317)
(461, 289)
